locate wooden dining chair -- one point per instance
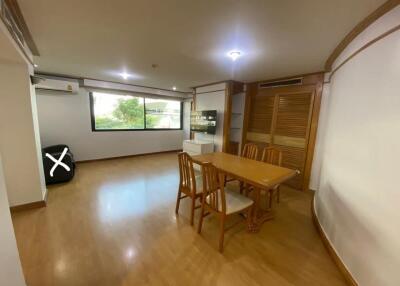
(190, 186)
(250, 151)
(221, 201)
(272, 155)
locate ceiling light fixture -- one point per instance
(234, 55)
(174, 88)
(125, 75)
(35, 65)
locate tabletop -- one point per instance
(256, 173)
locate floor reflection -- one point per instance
(134, 197)
(117, 201)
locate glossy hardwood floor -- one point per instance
(114, 224)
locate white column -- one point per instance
(10, 265)
(19, 134)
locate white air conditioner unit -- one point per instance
(59, 85)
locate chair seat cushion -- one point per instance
(235, 202)
(199, 184)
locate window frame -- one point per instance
(93, 119)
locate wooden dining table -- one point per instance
(262, 176)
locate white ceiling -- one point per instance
(189, 39)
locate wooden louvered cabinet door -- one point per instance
(290, 129)
(260, 123)
(285, 116)
(294, 158)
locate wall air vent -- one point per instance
(280, 83)
(11, 23)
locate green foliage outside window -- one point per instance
(128, 112)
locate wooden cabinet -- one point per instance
(286, 117)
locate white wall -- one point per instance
(10, 265)
(19, 138)
(212, 97)
(12, 59)
(65, 118)
(358, 195)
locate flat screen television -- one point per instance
(203, 121)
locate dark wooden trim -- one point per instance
(227, 117)
(91, 110)
(384, 35)
(181, 117)
(246, 115)
(19, 18)
(30, 206)
(357, 30)
(237, 87)
(312, 133)
(332, 252)
(128, 156)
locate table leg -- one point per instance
(259, 216)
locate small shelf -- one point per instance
(236, 128)
(236, 113)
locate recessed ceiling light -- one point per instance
(125, 75)
(174, 88)
(35, 65)
(234, 55)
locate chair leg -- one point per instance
(278, 195)
(249, 217)
(222, 232)
(178, 200)
(246, 190)
(271, 193)
(201, 219)
(192, 210)
(241, 187)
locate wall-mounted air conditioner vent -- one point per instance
(279, 83)
(59, 85)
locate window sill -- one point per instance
(148, 129)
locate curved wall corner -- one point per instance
(358, 153)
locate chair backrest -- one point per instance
(213, 188)
(250, 151)
(272, 156)
(187, 179)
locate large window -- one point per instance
(128, 112)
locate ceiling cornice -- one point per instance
(357, 30)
